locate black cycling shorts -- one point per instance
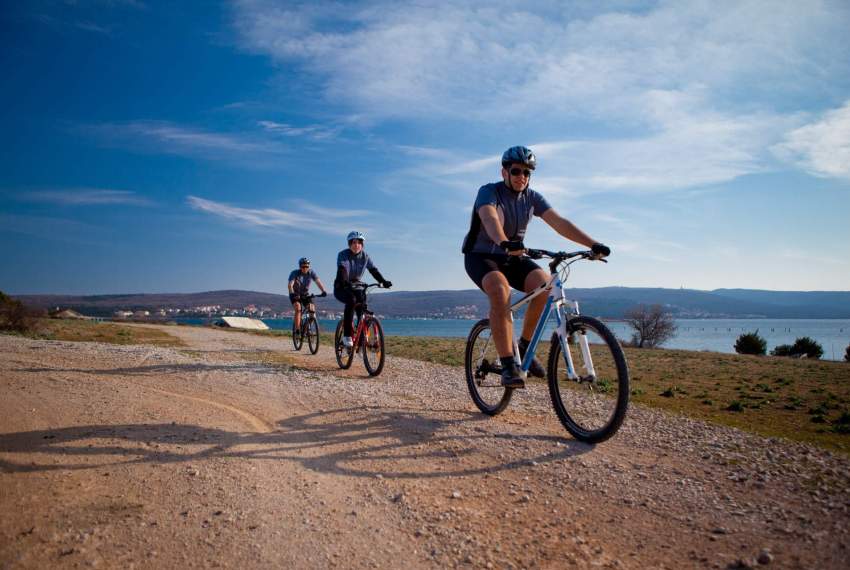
(515, 269)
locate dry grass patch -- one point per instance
(804, 400)
(92, 331)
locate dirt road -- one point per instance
(140, 456)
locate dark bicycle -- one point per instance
(309, 325)
(368, 336)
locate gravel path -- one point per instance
(206, 457)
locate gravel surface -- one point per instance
(205, 456)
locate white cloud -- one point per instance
(314, 132)
(171, 138)
(687, 94)
(87, 196)
(305, 215)
(821, 148)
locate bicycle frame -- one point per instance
(558, 301)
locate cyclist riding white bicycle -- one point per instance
(299, 284)
(351, 263)
(493, 250)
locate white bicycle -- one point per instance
(587, 372)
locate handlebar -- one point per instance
(559, 257)
(363, 286)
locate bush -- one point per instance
(847, 354)
(751, 343)
(14, 316)
(803, 346)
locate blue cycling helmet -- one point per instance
(304, 261)
(519, 155)
(356, 235)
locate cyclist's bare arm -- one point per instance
(493, 225)
(566, 228)
(291, 283)
(321, 285)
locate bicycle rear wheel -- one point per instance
(344, 355)
(483, 371)
(297, 341)
(373, 347)
(313, 335)
(591, 407)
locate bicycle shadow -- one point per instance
(354, 442)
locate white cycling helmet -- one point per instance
(356, 235)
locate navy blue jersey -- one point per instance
(514, 209)
(301, 281)
(354, 265)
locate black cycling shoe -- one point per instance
(511, 377)
(536, 369)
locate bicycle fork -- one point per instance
(584, 346)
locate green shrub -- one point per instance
(803, 346)
(751, 343)
(847, 354)
(14, 316)
(735, 406)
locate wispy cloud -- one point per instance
(86, 196)
(822, 147)
(687, 92)
(170, 138)
(314, 132)
(303, 215)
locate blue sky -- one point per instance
(148, 147)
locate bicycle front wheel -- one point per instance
(344, 355)
(313, 335)
(484, 371)
(591, 405)
(297, 341)
(373, 347)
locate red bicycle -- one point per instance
(368, 337)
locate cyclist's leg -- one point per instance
(297, 307)
(346, 298)
(498, 291)
(535, 278)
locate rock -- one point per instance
(764, 557)
(456, 495)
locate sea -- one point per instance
(714, 335)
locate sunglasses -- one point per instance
(517, 171)
(360, 241)
(305, 267)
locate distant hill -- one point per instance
(609, 302)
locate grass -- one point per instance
(802, 400)
(92, 331)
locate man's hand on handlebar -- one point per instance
(600, 250)
(513, 247)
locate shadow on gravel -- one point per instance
(358, 442)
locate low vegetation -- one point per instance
(91, 331)
(802, 347)
(15, 316)
(805, 400)
(751, 343)
(652, 324)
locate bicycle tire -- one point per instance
(373, 347)
(313, 335)
(480, 359)
(576, 401)
(297, 340)
(344, 355)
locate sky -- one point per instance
(182, 147)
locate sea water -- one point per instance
(716, 335)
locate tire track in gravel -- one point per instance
(260, 425)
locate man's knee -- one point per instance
(497, 289)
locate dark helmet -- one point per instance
(304, 261)
(520, 155)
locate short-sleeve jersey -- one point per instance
(301, 281)
(514, 209)
(354, 264)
